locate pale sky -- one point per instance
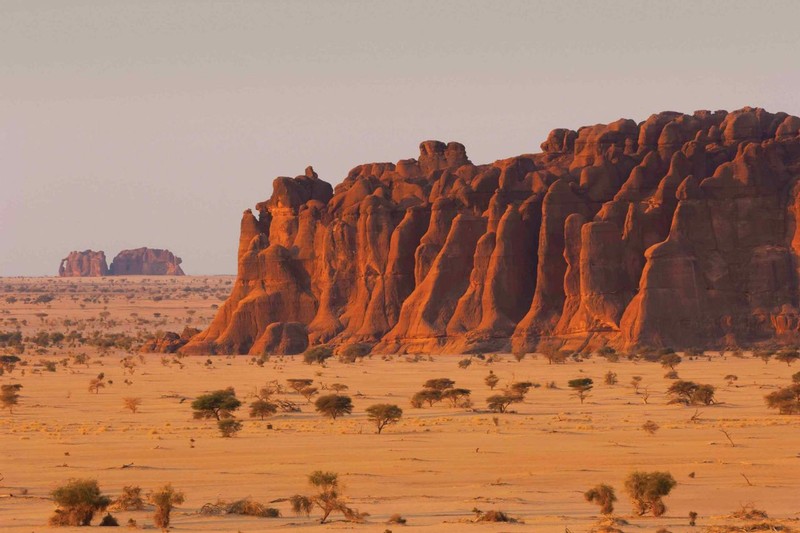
(157, 122)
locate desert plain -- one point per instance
(434, 467)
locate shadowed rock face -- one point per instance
(146, 262)
(83, 264)
(679, 231)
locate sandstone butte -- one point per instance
(678, 231)
(138, 262)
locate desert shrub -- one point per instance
(603, 495)
(327, 498)
(130, 500)
(464, 363)
(132, 404)
(78, 500)
(731, 379)
(499, 403)
(334, 405)
(353, 352)
(229, 427)
(317, 354)
(248, 507)
(647, 490)
(692, 518)
(108, 521)
(262, 409)
(581, 386)
(164, 499)
(764, 355)
(785, 400)
(338, 387)
(9, 396)
(691, 393)
(610, 378)
(396, 519)
(493, 516)
(218, 404)
(383, 414)
(650, 427)
(491, 380)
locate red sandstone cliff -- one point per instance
(146, 262)
(681, 231)
(83, 264)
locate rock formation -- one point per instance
(83, 264)
(146, 262)
(169, 342)
(679, 231)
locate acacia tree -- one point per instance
(785, 400)
(581, 386)
(491, 380)
(383, 414)
(327, 498)
(218, 404)
(603, 495)
(787, 356)
(691, 393)
(499, 402)
(647, 489)
(334, 405)
(262, 409)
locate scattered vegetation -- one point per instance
(691, 393)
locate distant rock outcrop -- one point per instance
(146, 262)
(169, 342)
(83, 264)
(679, 231)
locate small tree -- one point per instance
(354, 352)
(439, 384)
(457, 396)
(428, 396)
(97, 383)
(262, 409)
(308, 393)
(327, 498)
(499, 402)
(610, 378)
(603, 495)
(647, 489)
(670, 360)
(334, 405)
(218, 404)
(9, 396)
(298, 384)
(132, 404)
(383, 414)
(520, 389)
(78, 501)
(338, 387)
(317, 354)
(228, 427)
(165, 499)
(691, 393)
(785, 400)
(636, 382)
(787, 356)
(581, 386)
(491, 380)
(131, 499)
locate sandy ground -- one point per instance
(433, 467)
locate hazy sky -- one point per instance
(156, 123)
